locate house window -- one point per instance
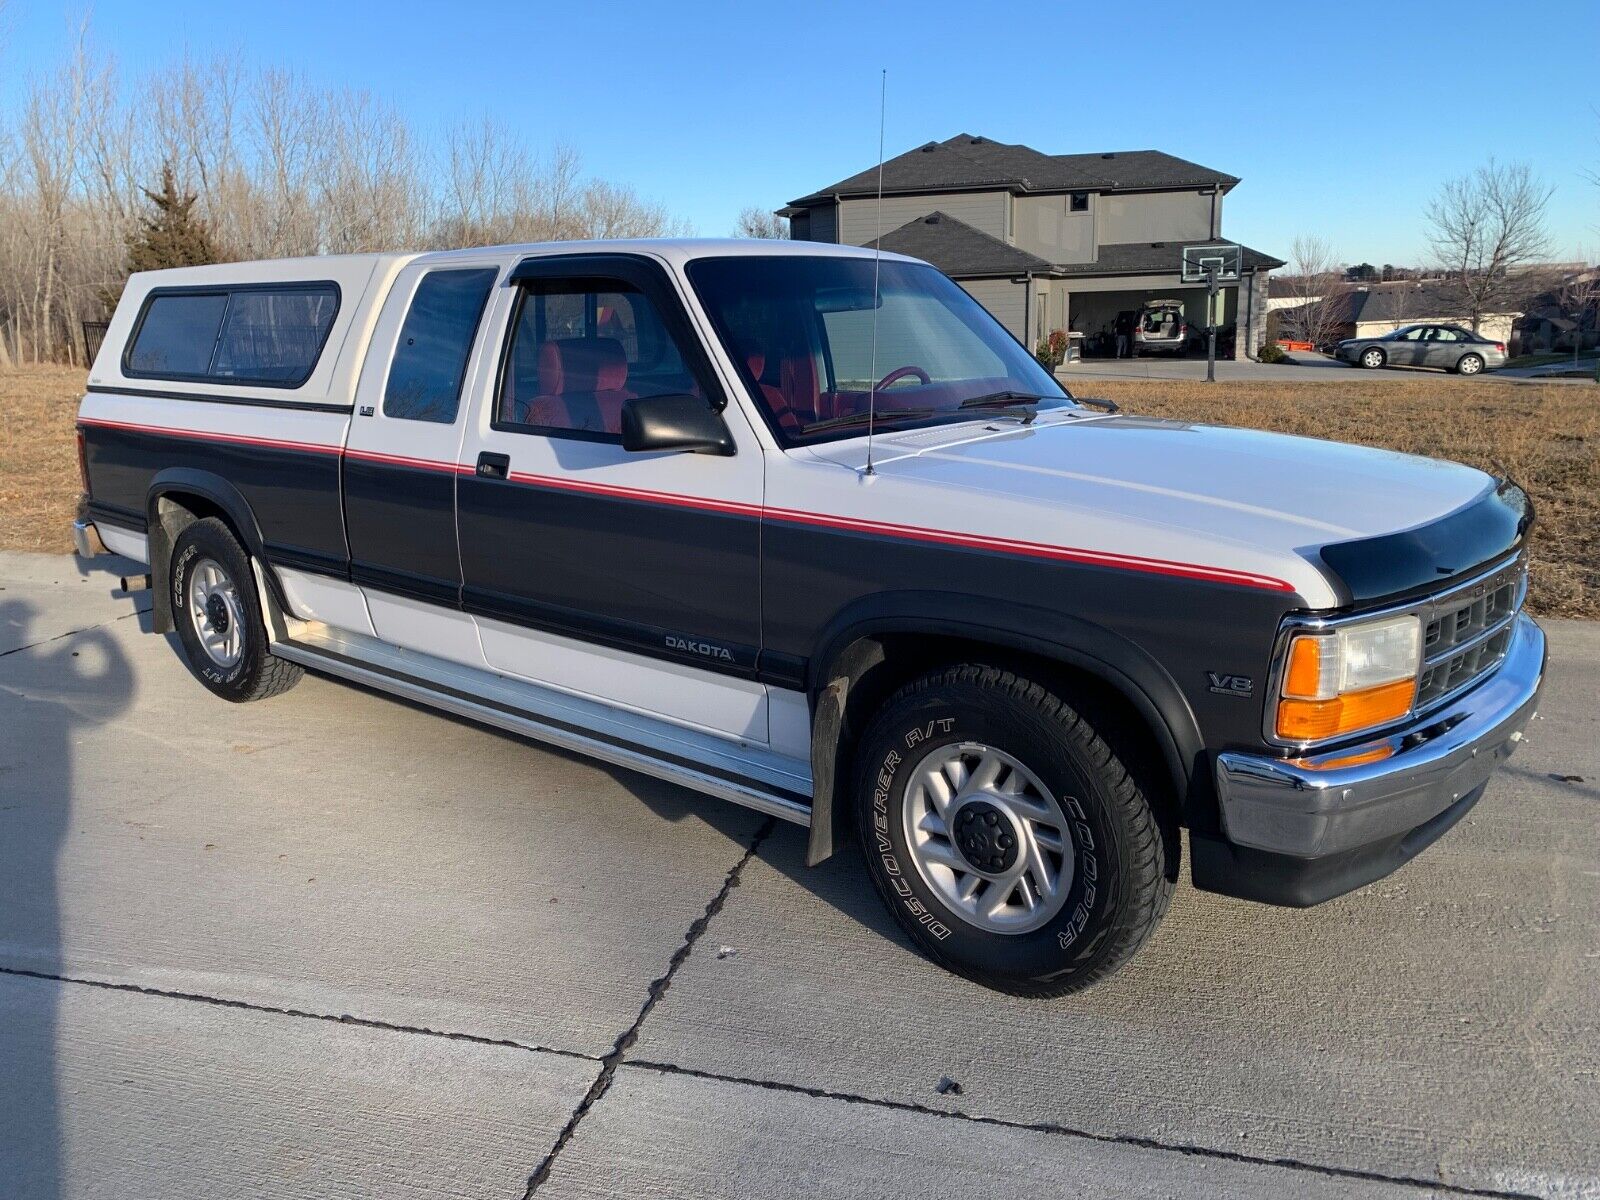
(1079, 202)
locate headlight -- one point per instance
(1344, 680)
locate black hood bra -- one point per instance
(1394, 566)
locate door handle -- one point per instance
(493, 466)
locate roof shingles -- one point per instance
(966, 162)
(959, 250)
(963, 252)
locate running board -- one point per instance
(742, 773)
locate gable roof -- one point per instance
(1155, 258)
(958, 249)
(1402, 302)
(963, 252)
(967, 162)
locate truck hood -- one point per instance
(1181, 489)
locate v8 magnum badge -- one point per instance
(1230, 685)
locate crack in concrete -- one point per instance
(614, 1059)
(451, 1035)
(1056, 1130)
(72, 633)
(625, 1041)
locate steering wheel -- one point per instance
(899, 373)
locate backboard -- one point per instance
(1198, 261)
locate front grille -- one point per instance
(1467, 631)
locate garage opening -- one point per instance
(1155, 321)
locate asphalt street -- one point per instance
(1297, 367)
(333, 944)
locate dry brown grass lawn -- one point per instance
(38, 457)
(1546, 435)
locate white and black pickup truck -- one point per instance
(810, 531)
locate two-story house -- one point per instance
(1047, 241)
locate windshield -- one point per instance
(800, 331)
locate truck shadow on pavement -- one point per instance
(841, 882)
(53, 690)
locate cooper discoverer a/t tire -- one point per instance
(1005, 834)
(218, 616)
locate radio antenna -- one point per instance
(877, 253)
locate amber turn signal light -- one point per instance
(1313, 720)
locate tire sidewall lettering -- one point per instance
(908, 744)
(199, 661)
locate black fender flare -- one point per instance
(211, 487)
(844, 653)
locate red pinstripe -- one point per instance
(946, 537)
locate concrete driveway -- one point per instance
(332, 944)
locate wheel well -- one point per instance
(879, 665)
(172, 513)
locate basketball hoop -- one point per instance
(1202, 264)
(1211, 265)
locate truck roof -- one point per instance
(677, 250)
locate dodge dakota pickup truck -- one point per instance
(804, 528)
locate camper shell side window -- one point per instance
(259, 335)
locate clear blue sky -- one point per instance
(1341, 122)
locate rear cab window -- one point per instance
(430, 360)
(264, 335)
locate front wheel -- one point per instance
(1373, 359)
(218, 615)
(1006, 836)
(1469, 364)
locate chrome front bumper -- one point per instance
(1312, 807)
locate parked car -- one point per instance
(1447, 346)
(1161, 328)
(654, 503)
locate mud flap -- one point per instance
(826, 725)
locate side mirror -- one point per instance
(674, 423)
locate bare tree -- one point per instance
(759, 223)
(1318, 291)
(1593, 174)
(278, 165)
(1484, 226)
(1578, 297)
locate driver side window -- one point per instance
(580, 349)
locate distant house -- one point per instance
(1371, 309)
(1046, 241)
(1564, 317)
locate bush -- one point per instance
(1052, 351)
(1270, 352)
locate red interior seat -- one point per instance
(583, 383)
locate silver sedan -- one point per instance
(1448, 346)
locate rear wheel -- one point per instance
(218, 615)
(1469, 364)
(1372, 358)
(1006, 836)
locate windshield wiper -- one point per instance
(862, 417)
(1111, 406)
(1003, 399)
